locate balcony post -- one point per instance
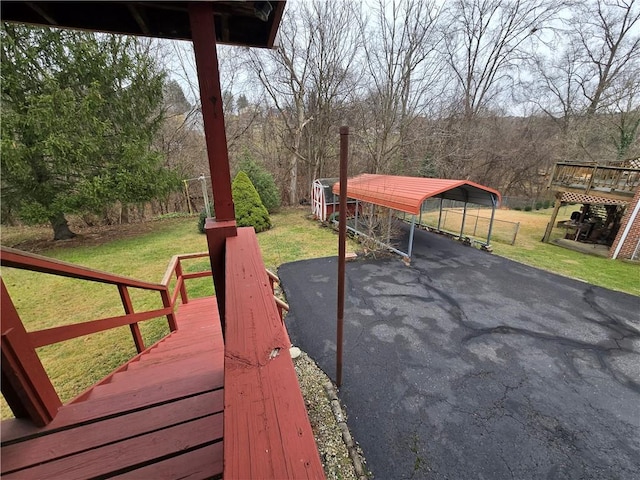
(203, 35)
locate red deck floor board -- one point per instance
(66, 442)
(192, 465)
(135, 451)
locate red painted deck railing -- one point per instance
(25, 384)
(267, 433)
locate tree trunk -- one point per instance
(293, 179)
(60, 227)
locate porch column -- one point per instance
(203, 35)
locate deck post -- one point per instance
(171, 317)
(183, 287)
(203, 35)
(554, 215)
(25, 383)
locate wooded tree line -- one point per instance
(494, 91)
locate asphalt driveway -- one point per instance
(466, 365)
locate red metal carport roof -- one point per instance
(406, 194)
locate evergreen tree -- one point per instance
(250, 212)
(263, 182)
(79, 112)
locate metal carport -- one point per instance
(407, 194)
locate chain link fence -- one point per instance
(476, 221)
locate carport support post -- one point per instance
(356, 220)
(440, 215)
(413, 227)
(464, 216)
(342, 237)
(494, 202)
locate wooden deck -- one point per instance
(160, 416)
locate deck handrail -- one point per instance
(10, 257)
(587, 177)
(267, 433)
(28, 379)
(24, 392)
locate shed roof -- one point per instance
(248, 23)
(406, 194)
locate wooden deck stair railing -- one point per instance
(159, 416)
(25, 384)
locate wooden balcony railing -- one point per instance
(282, 306)
(25, 384)
(599, 180)
(266, 428)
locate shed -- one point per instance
(407, 194)
(324, 201)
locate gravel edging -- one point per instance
(354, 451)
(341, 456)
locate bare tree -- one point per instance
(592, 87)
(608, 33)
(403, 73)
(304, 77)
(487, 41)
(334, 79)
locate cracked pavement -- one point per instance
(468, 365)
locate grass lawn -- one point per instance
(528, 248)
(139, 251)
(142, 251)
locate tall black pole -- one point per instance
(342, 237)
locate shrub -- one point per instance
(528, 208)
(250, 212)
(202, 219)
(263, 182)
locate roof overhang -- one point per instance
(237, 22)
(406, 194)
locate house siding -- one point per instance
(633, 237)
